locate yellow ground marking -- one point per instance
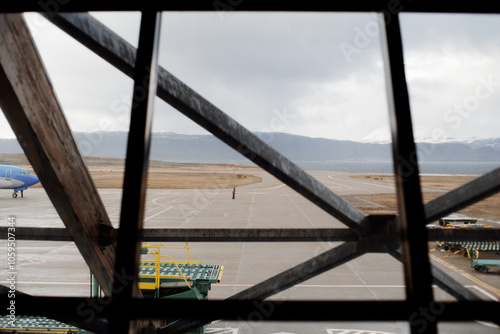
(451, 254)
(466, 275)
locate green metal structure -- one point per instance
(34, 324)
(472, 250)
(165, 278)
(479, 263)
(160, 276)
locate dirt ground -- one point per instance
(178, 180)
(109, 172)
(488, 208)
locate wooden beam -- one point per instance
(32, 109)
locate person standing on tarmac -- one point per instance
(234, 192)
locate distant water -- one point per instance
(386, 167)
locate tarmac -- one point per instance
(48, 268)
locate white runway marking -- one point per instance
(338, 184)
(364, 200)
(365, 183)
(170, 207)
(300, 210)
(486, 293)
(349, 264)
(281, 185)
(487, 324)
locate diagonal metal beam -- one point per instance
(136, 170)
(121, 54)
(32, 109)
(300, 273)
(465, 195)
(416, 265)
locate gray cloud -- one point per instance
(314, 74)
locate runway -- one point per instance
(57, 268)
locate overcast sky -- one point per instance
(311, 74)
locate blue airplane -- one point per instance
(16, 178)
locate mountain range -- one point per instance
(174, 147)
